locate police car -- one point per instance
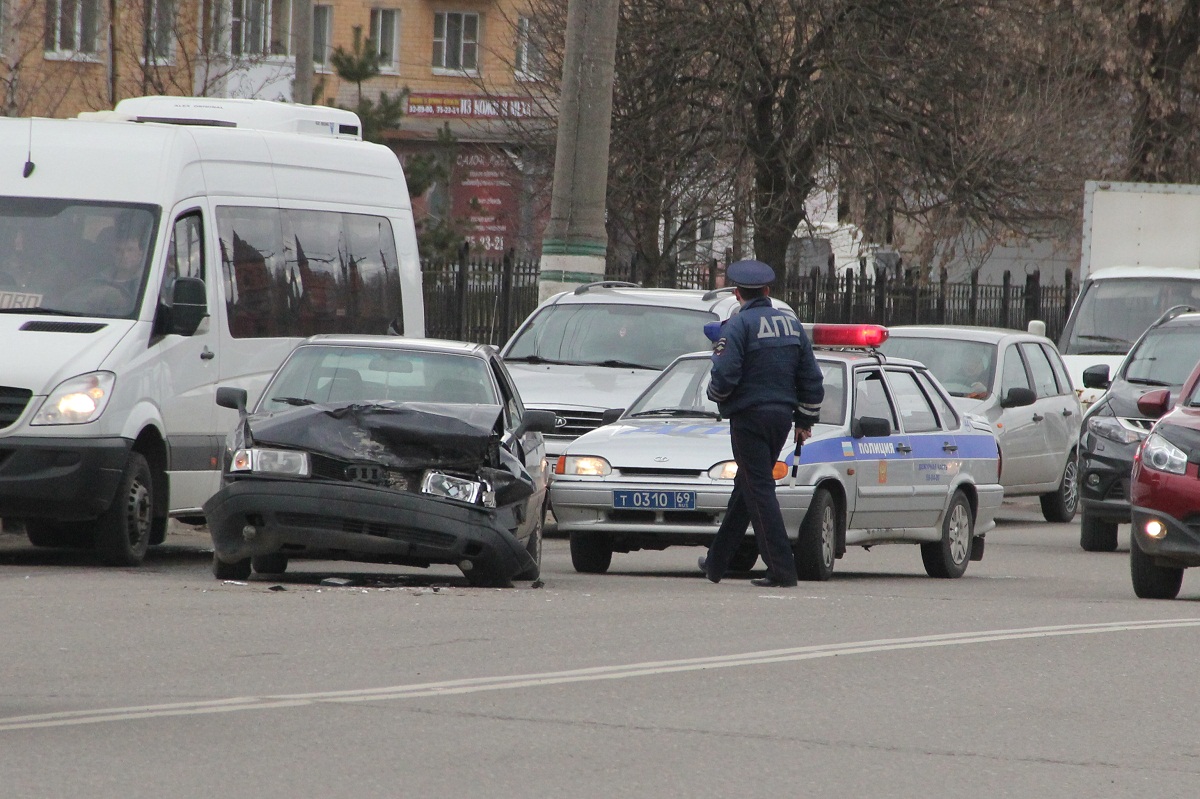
(890, 461)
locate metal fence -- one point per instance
(484, 300)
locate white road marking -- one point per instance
(478, 684)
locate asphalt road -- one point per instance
(1038, 674)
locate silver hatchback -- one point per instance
(1018, 382)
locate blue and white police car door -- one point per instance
(934, 463)
(884, 464)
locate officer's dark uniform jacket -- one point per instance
(764, 358)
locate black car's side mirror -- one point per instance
(1155, 403)
(611, 415)
(229, 397)
(539, 421)
(870, 427)
(1096, 376)
(1018, 398)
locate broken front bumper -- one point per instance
(351, 522)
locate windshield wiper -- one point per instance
(678, 412)
(298, 401)
(539, 359)
(45, 311)
(1147, 381)
(625, 365)
(1104, 338)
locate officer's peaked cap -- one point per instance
(750, 274)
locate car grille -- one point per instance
(574, 423)
(362, 527)
(657, 472)
(12, 404)
(326, 468)
(1118, 490)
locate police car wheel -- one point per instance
(591, 553)
(816, 543)
(1151, 581)
(949, 557)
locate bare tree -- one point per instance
(29, 83)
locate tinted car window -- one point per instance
(644, 335)
(944, 410)
(1043, 373)
(963, 367)
(1014, 371)
(1060, 370)
(1165, 357)
(341, 374)
(916, 413)
(870, 397)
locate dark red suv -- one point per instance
(1165, 493)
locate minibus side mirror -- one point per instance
(188, 308)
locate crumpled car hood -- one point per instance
(403, 436)
(409, 435)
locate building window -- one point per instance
(530, 62)
(322, 35)
(160, 31)
(385, 26)
(247, 28)
(72, 26)
(456, 41)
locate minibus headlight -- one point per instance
(77, 401)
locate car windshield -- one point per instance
(72, 258)
(1165, 357)
(318, 373)
(619, 335)
(682, 391)
(1111, 314)
(964, 368)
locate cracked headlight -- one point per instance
(439, 484)
(258, 460)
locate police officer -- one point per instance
(764, 379)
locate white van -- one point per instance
(147, 255)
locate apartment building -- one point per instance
(467, 68)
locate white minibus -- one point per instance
(152, 252)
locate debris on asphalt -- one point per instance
(337, 582)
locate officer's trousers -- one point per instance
(757, 435)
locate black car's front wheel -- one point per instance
(1097, 535)
(238, 570)
(534, 547)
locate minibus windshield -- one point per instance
(1113, 313)
(73, 257)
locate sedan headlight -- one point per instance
(725, 470)
(440, 484)
(1160, 454)
(259, 460)
(78, 400)
(583, 465)
(1115, 429)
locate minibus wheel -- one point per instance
(123, 531)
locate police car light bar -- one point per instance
(824, 335)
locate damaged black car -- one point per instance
(388, 450)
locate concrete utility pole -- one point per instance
(576, 241)
(302, 38)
